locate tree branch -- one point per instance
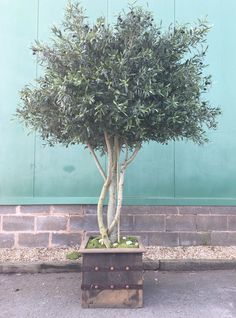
(97, 162)
(126, 152)
(109, 146)
(134, 154)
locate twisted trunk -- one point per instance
(114, 185)
(111, 209)
(102, 229)
(120, 189)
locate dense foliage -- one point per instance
(113, 87)
(131, 79)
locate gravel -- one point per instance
(32, 255)
(191, 252)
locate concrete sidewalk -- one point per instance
(206, 294)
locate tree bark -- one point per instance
(114, 184)
(120, 189)
(111, 211)
(102, 229)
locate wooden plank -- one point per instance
(108, 280)
(112, 299)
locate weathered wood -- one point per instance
(112, 299)
(112, 279)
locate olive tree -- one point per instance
(115, 87)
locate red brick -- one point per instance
(33, 240)
(51, 223)
(18, 223)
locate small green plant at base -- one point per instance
(125, 242)
(73, 255)
(205, 241)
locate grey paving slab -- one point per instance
(208, 294)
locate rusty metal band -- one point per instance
(110, 287)
(111, 269)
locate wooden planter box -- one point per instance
(112, 277)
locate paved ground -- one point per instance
(210, 294)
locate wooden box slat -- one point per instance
(112, 298)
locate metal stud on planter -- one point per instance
(112, 277)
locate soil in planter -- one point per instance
(125, 242)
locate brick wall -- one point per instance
(63, 225)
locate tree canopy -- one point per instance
(132, 79)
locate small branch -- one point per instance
(109, 153)
(126, 152)
(108, 144)
(97, 162)
(129, 160)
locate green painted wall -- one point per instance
(180, 173)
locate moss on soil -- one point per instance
(95, 242)
(73, 255)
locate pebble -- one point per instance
(30, 255)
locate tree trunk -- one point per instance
(120, 189)
(111, 210)
(102, 228)
(114, 184)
